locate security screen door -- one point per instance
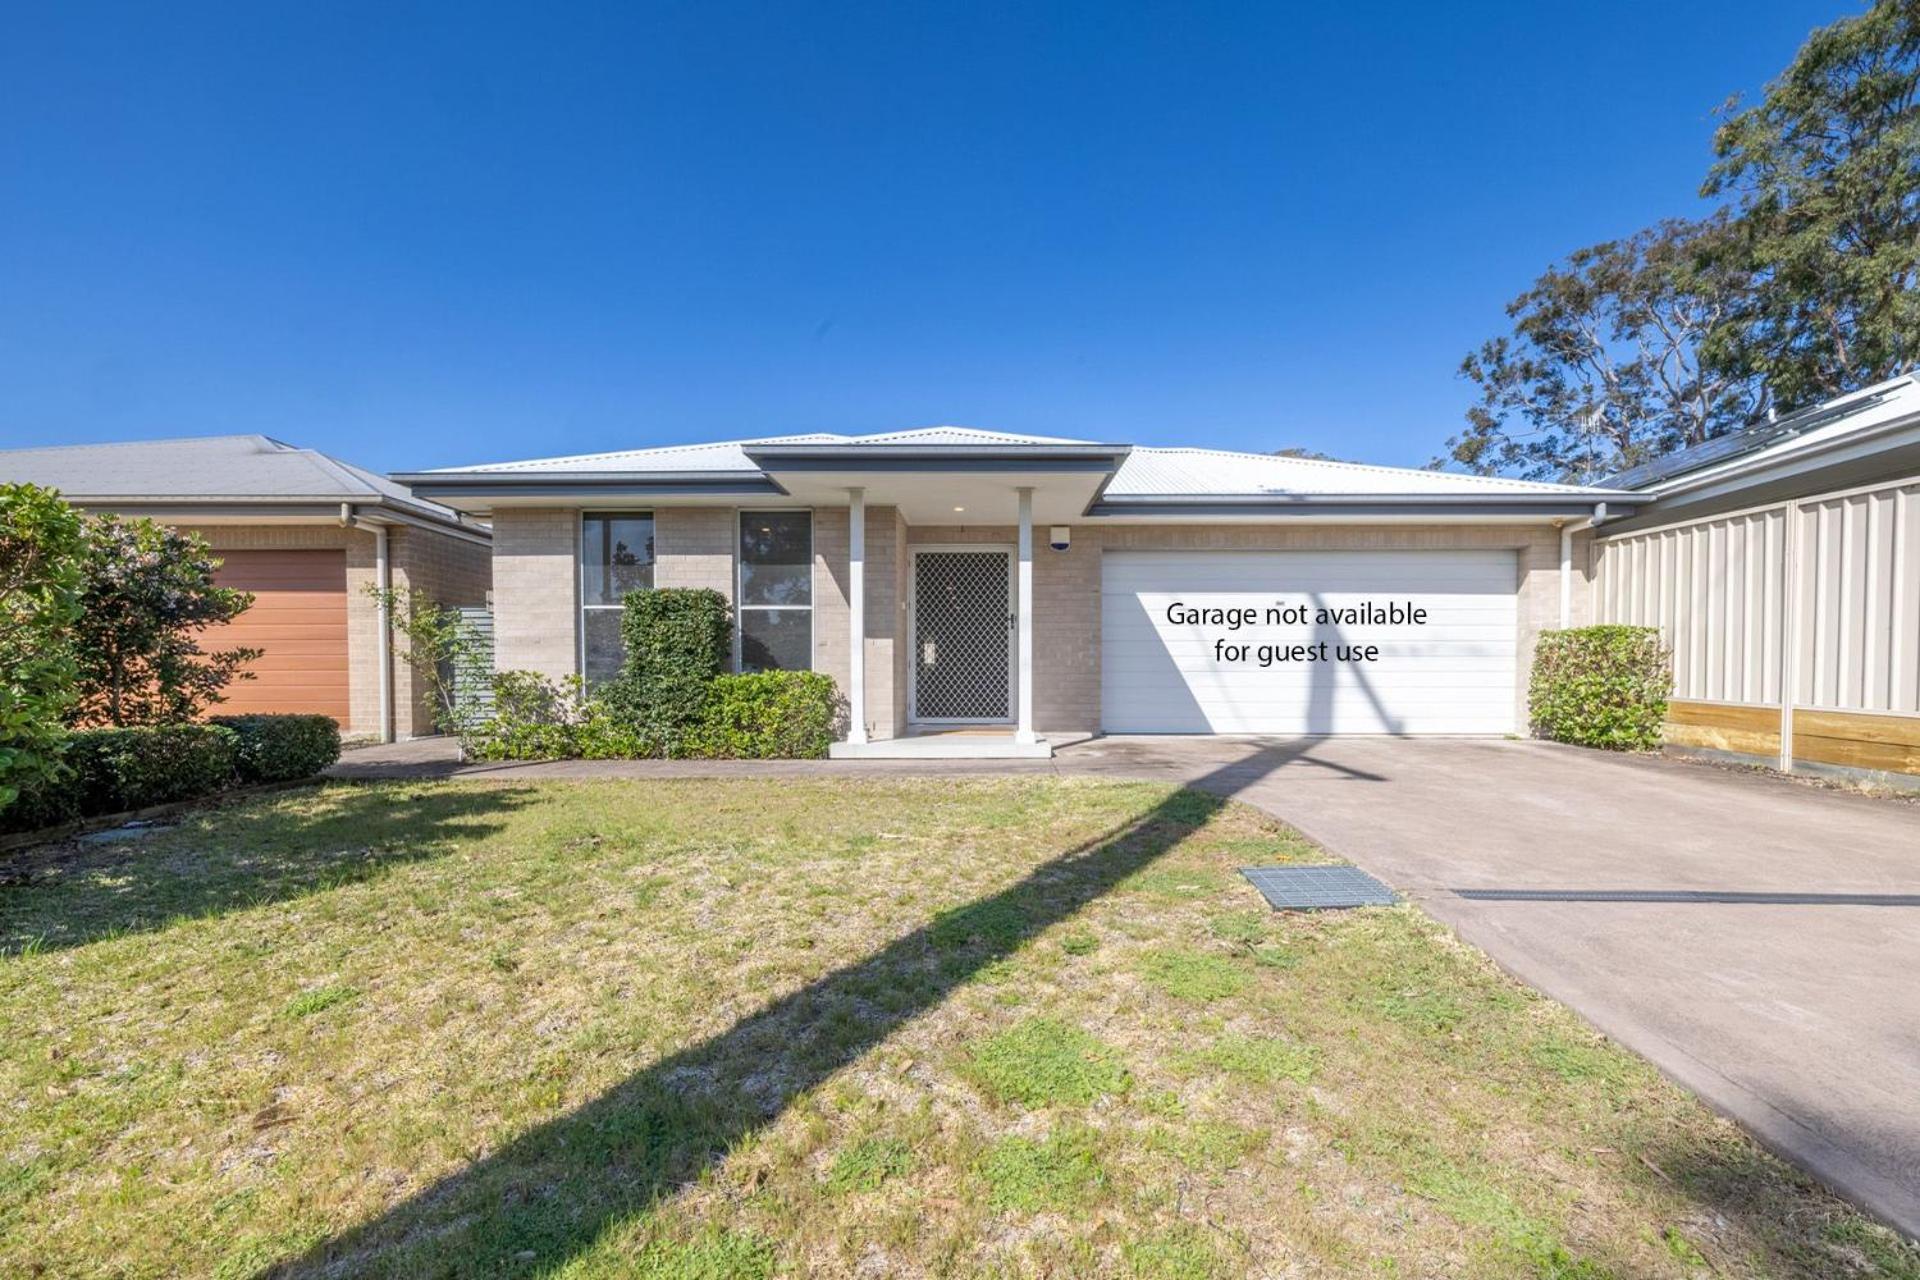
(962, 635)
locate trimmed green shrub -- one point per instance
(768, 715)
(1603, 687)
(282, 748)
(678, 641)
(117, 769)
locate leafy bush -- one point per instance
(678, 641)
(535, 718)
(768, 715)
(1603, 686)
(147, 600)
(281, 748)
(41, 547)
(446, 652)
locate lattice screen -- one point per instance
(962, 635)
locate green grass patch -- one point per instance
(319, 1000)
(712, 1255)
(868, 1163)
(1194, 975)
(1184, 1254)
(1264, 1059)
(1058, 1171)
(1044, 1060)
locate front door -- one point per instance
(962, 635)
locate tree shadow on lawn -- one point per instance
(225, 859)
(546, 1196)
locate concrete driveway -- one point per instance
(1800, 1018)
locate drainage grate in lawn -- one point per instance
(1318, 888)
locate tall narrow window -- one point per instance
(616, 556)
(776, 590)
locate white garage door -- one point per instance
(1298, 642)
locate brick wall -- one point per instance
(832, 609)
(450, 571)
(693, 547)
(536, 602)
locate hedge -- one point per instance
(768, 715)
(1603, 687)
(678, 641)
(281, 748)
(115, 770)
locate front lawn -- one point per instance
(903, 1027)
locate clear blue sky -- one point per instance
(420, 236)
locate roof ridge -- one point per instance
(129, 444)
(345, 471)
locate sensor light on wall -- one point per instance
(1059, 537)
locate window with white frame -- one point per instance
(616, 556)
(775, 610)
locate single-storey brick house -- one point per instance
(1005, 587)
(306, 534)
(1016, 585)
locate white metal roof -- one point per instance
(1146, 472)
(1206, 472)
(730, 455)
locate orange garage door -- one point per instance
(299, 620)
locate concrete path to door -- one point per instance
(1796, 1012)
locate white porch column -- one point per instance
(857, 614)
(1023, 731)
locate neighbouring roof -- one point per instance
(1144, 473)
(1764, 443)
(210, 470)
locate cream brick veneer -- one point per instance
(536, 591)
(886, 610)
(536, 608)
(693, 547)
(449, 571)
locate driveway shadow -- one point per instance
(70, 894)
(545, 1197)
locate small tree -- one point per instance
(41, 547)
(446, 652)
(148, 595)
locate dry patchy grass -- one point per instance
(740, 1029)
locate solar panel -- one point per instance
(1750, 439)
(1318, 888)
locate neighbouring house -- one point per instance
(1783, 566)
(306, 534)
(1007, 587)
